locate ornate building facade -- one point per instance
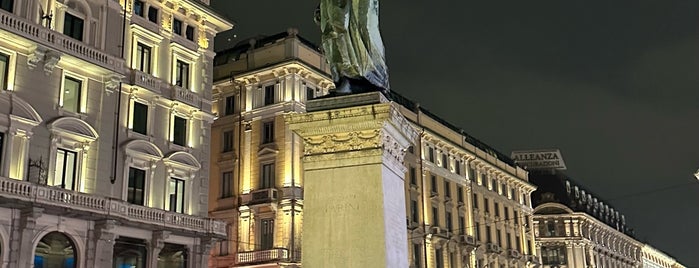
(466, 204)
(105, 114)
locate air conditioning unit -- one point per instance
(467, 240)
(513, 253)
(493, 248)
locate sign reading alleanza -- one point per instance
(539, 159)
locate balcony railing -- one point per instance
(263, 256)
(145, 80)
(54, 196)
(260, 197)
(185, 96)
(58, 41)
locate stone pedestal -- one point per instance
(354, 203)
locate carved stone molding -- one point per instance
(50, 61)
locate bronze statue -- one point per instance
(352, 45)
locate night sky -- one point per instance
(613, 84)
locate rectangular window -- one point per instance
(413, 176)
(269, 95)
(449, 219)
(487, 234)
(435, 216)
(182, 74)
(139, 118)
(452, 259)
(138, 7)
(227, 141)
(459, 194)
(189, 33)
(4, 70)
(66, 169)
(495, 186)
(471, 174)
(478, 231)
(153, 14)
(179, 131)
(509, 241)
(475, 201)
(267, 176)
(497, 209)
(417, 253)
(516, 217)
(445, 161)
(498, 237)
(226, 184)
(457, 167)
(447, 189)
(73, 26)
(268, 132)
(72, 89)
(137, 183)
(518, 243)
(267, 237)
(462, 225)
(230, 105)
(176, 194)
(553, 255)
(177, 26)
(486, 205)
(414, 216)
(433, 183)
(309, 92)
(439, 258)
(7, 5)
(430, 154)
(512, 193)
(2, 144)
(143, 57)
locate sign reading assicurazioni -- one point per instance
(539, 159)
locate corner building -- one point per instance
(105, 113)
(466, 203)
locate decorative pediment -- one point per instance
(182, 160)
(143, 149)
(74, 128)
(18, 110)
(267, 150)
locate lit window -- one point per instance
(66, 169)
(269, 95)
(179, 131)
(267, 237)
(7, 5)
(176, 195)
(228, 141)
(138, 7)
(230, 105)
(4, 70)
(189, 33)
(153, 14)
(136, 190)
(177, 26)
(267, 176)
(553, 255)
(73, 26)
(72, 91)
(139, 118)
(182, 74)
(268, 132)
(227, 184)
(143, 58)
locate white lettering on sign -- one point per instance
(539, 159)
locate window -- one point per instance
(73, 26)
(7, 5)
(138, 7)
(512, 193)
(66, 169)
(498, 237)
(495, 185)
(176, 194)
(471, 174)
(413, 176)
(486, 205)
(230, 105)
(182, 74)
(153, 14)
(430, 154)
(452, 259)
(189, 33)
(497, 209)
(487, 234)
(267, 237)
(226, 184)
(417, 250)
(439, 258)
(462, 225)
(177, 26)
(435, 216)
(4, 69)
(414, 217)
(136, 189)
(309, 93)
(72, 88)
(2, 143)
(475, 201)
(553, 255)
(450, 225)
(433, 183)
(478, 231)
(509, 242)
(445, 161)
(227, 141)
(179, 131)
(143, 56)
(457, 167)
(516, 217)
(459, 195)
(140, 118)
(267, 176)
(269, 95)
(268, 132)
(518, 243)
(447, 189)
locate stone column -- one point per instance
(157, 243)
(354, 203)
(200, 253)
(22, 237)
(104, 243)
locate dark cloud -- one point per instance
(613, 84)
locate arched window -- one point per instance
(130, 252)
(55, 250)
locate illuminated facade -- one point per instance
(259, 166)
(81, 186)
(653, 258)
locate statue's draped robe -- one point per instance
(352, 42)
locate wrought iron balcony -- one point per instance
(263, 256)
(50, 196)
(58, 41)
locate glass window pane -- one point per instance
(4, 70)
(7, 5)
(180, 131)
(71, 94)
(137, 179)
(60, 164)
(140, 118)
(70, 170)
(189, 33)
(153, 14)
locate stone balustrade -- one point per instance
(146, 81)
(263, 256)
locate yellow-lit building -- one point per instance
(257, 183)
(105, 115)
